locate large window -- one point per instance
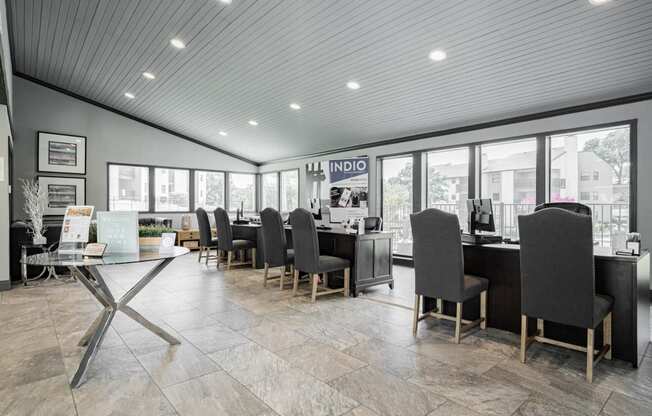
(509, 179)
(209, 190)
(593, 167)
(242, 191)
(397, 201)
(289, 190)
(448, 181)
(128, 188)
(270, 190)
(172, 190)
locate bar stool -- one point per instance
(206, 240)
(439, 269)
(558, 281)
(227, 244)
(307, 258)
(275, 246)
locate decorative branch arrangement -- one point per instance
(36, 200)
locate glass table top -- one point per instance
(64, 259)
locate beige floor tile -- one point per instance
(249, 363)
(176, 364)
(274, 337)
(452, 409)
(18, 367)
(390, 358)
(320, 360)
(238, 319)
(47, 397)
(213, 338)
(620, 404)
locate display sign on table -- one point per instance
(75, 228)
(349, 188)
(118, 230)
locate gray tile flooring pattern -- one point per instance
(251, 351)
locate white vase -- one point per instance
(39, 240)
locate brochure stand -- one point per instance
(74, 231)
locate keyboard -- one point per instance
(481, 239)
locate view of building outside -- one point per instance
(448, 181)
(289, 190)
(242, 188)
(592, 167)
(209, 190)
(128, 188)
(172, 190)
(397, 201)
(270, 190)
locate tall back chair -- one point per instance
(558, 279)
(307, 258)
(439, 269)
(206, 240)
(275, 245)
(227, 244)
(568, 206)
(373, 223)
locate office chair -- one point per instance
(307, 258)
(568, 206)
(439, 269)
(226, 243)
(275, 248)
(206, 240)
(558, 281)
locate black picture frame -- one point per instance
(46, 155)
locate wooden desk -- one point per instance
(625, 278)
(370, 254)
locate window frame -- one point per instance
(227, 199)
(280, 188)
(133, 165)
(190, 193)
(193, 173)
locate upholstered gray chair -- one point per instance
(307, 258)
(275, 245)
(206, 240)
(227, 244)
(558, 280)
(568, 206)
(439, 269)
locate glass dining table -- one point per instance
(88, 271)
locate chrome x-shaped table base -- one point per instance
(95, 333)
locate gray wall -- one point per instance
(5, 132)
(110, 138)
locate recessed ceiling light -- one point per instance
(129, 95)
(353, 85)
(253, 122)
(225, 1)
(598, 2)
(437, 55)
(295, 106)
(148, 75)
(177, 43)
(222, 133)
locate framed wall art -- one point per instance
(62, 193)
(59, 153)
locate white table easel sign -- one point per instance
(75, 228)
(167, 242)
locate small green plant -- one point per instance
(153, 230)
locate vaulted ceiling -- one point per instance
(248, 60)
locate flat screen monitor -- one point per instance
(481, 215)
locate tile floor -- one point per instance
(247, 350)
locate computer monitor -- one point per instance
(481, 215)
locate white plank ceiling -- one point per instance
(250, 59)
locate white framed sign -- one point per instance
(118, 230)
(59, 153)
(62, 193)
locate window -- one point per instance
(209, 190)
(242, 191)
(173, 187)
(448, 181)
(128, 188)
(397, 201)
(289, 190)
(602, 158)
(509, 179)
(270, 190)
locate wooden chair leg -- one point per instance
(295, 283)
(606, 335)
(229, 257)
(540, 328)
(265, 274)
(589, 355)
(440, 305)
(458, 323)
(315, 283)
(282, 279)
(201, 249)
(208, 254)
(483, 310)
(253, 258)
(325, 280)
(415, 318)
(347, 281)
(523, 337)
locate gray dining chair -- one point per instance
(206, 240)
(439, 270)
(558, 281)
(228, 245)
(275, 248)
(308, 260)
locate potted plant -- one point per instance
(36, 200)
(150, 235)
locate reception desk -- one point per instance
(625, 278)
(370, 254)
